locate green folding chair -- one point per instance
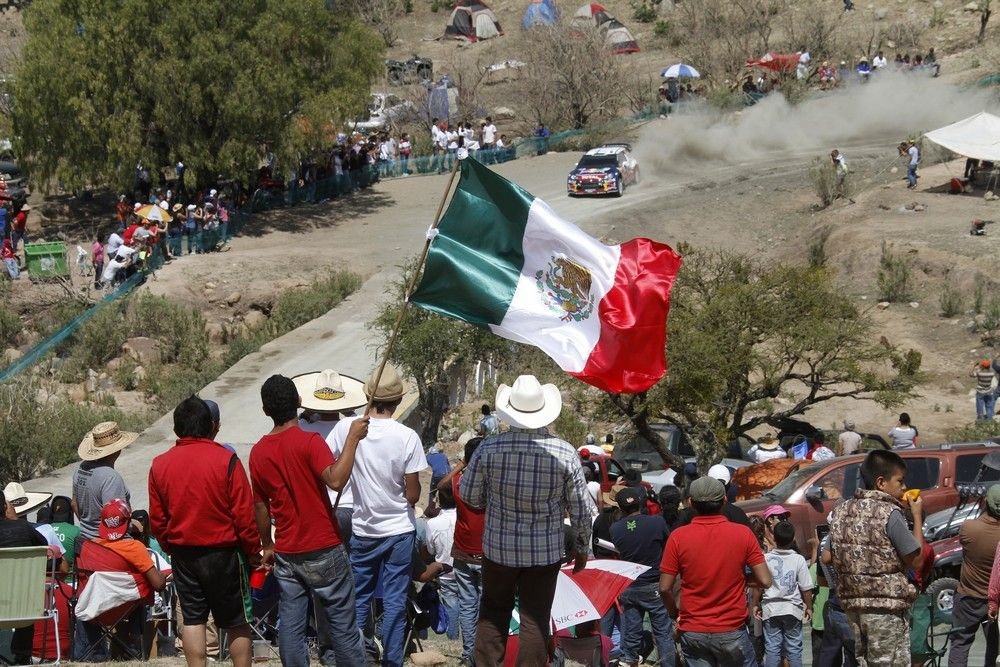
(25, 595)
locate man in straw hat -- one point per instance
(290, 470)
(524, 541)
(96, 481)
(201, 511)
(767, 448)
(386, 487)
(325, 396)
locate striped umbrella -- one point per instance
(680, 71)
(588, 594)
(152, 212)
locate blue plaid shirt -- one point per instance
(528, 480)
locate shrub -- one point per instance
(950, 301)
(894, 275)
(662, 28)
(180, 329)
(824, 181)
(817, 249)
(10, 327)
(643, 11)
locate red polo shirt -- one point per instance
(287, 473)
(711, 554)
(195, 500)
(469, 524)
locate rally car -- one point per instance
(604, 170)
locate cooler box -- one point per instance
(46, 260)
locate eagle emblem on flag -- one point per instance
(565, 287)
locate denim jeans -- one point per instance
(469, 579)
(637, 601)
(782, 637)
(345, 516)
(448, 593)
(386, 560)
(326, 576)
(911, 175)
(985, 405)
(716, 649)
(611, 626)
(838, 641)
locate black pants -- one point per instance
(534, 588)
(967, 617)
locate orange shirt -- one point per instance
(132, 551)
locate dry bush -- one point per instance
(571, 79)
(381, 15)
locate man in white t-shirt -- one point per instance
(386, 487)
(489, 134)
(122, 259)
(849, 440)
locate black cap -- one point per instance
(629, 500)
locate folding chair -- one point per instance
(160, 615)
(109, 595)
(587, 651)
(25, 595)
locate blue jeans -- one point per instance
(448, 592)
(326, 576)
(911, 175)
(637, 601)
(469, 579)
(385, 560)
(985, 405)
(782, 637)
(716, 649)
(838, 641)
(611, 626)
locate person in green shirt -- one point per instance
(64, 527)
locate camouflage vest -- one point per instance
(870, 576)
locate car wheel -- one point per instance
(942, 594)
(621, 187)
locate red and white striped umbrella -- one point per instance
(588, 594)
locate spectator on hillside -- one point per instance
(986, 387)
(488, 423)
(405, 149)
(863, 69)
(827, 75)
(489, 138)
(904, 434)
(542, 138)
(765, 449)
(10, 261)
(19, 227)
(909, 150)
(879, 61)
(96, 482)
(97, 258)
(849, 440)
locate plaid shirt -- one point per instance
(528, 481)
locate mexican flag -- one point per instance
(500, 258)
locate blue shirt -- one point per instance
(438, 462)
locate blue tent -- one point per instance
(540, 12)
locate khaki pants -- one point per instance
(881, 639)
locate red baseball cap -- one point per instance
(115, 518)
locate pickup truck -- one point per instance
(812, 491)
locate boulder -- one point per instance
(142, 350)
(882, 305)
(506, 113)
(956, 387)
(914, 304)
(971, 7)
(91, 383)
(254, 319)
(233, 298)
(10, 355)
(138, 374)
(216, 333)
(428, 658)
(76, 393)
(113, 365)
(881, 13)
(209, 285)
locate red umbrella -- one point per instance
(588, 594)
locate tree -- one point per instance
(570, 79)
(984, 18)
(751, 345)
(434, 350)
(382, 15)
(102, 85)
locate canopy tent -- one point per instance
(472, 20)
(977, 137)
(617, 37)
(540, 12)
(776, 62)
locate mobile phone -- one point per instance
(822, 531)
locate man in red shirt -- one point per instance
(711, 555)
(18, 232)
(201, 512)
(467, 549)
(291, 471)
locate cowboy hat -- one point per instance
(24, 501)
(528, 403)
(329, 391)
(176, 207)
(768, 442)
(26, 207)
(610, 497)
(103, 440)
(390, 385)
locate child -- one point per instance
(872, 550)
(787, 602)
(97, 258)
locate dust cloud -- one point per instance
(882, 112)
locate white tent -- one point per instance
(977, 137)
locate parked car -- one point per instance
(384, 109)
(789, 429)
(811, 491)
(608, 169)
(15, 186)
(640, 454)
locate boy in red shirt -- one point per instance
(711, 555)
(291, 471)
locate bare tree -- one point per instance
(380, 15)
(722, 34)
(570, 79)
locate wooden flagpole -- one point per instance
(406, 297)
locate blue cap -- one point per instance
(213, 408)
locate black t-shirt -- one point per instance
(731, 512)
(17, 533)
(602, 530)
(640, 539)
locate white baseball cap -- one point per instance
(720, 472)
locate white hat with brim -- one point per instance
(104, 440)
(528, 403)
(329, 391)
(24, 501)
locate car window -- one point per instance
(685, 448)
(922, 473)
(967, 468)
(596, 162)
(791, 483)
(840, 482)
(614, 470)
